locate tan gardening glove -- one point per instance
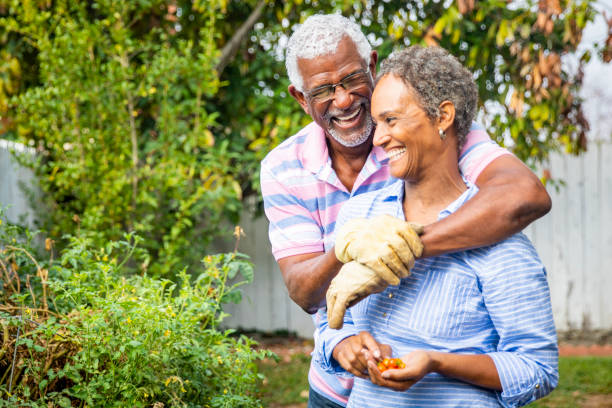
(353, 283)
(386, 244)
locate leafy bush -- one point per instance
(118, 113)
(111, 340)
(143, 122)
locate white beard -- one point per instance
(353, 139)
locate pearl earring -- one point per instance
(442, 134)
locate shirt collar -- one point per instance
(395, 192)
(463, 198)
(315, 155)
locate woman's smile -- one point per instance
(395, 153)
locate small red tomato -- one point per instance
(390, 363)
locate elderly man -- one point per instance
(307, 178)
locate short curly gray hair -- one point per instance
(320, 35)
(436, 76)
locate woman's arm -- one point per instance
(477, 369)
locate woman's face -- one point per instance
(403, 129)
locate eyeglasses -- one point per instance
(350, 82)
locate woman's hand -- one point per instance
(477, 369)
(355, 353)
(419, 363)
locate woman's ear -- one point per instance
(447, 115)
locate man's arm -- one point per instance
(308, 276)
(510, 197)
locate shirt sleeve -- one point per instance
(517, 297)
(293, 230)
(478, 152)
(327, 339)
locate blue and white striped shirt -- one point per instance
(493, 300)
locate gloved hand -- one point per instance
(353, 283)
(386, 244)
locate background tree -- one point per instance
(153, 115)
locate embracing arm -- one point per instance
(510, 197)
(308, 276)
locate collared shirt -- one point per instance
(302, 197)
(493, 300)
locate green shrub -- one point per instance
(112, 338)
(119, 114)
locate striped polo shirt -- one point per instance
(302, 197)
(492, 300)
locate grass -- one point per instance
(286, 381)
(584, 382)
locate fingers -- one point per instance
(418, 228)
(377, 378)
(351, 357)
(391, 257)
(336, 308)
(345, 236)
(400, 374)
(386, 351)
(412, 239)
(381, 268)
(370, 345)
(404, 256)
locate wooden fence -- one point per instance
(574, 241)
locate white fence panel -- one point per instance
(13, 179)
(575, 240)
(265, 305)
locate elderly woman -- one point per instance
(473, 328)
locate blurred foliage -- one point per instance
(81, 329)
(117, 110)
(138, 130)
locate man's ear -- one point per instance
(299, 97)
(373, 61)
(447, 115)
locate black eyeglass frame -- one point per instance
(332, 87)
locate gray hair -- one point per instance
(436, 76)
(320, 35)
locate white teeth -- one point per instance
(349, 117)
(395, 153)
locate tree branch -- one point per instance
(231, 47)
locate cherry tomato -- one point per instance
(390, 363)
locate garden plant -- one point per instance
(147, 120)
(84, 330)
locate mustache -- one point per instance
(330, 114)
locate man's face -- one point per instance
(344, 114)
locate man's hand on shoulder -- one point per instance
(386, 244)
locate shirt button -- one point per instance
(390, 295)
(384, 315)
(537, 385)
